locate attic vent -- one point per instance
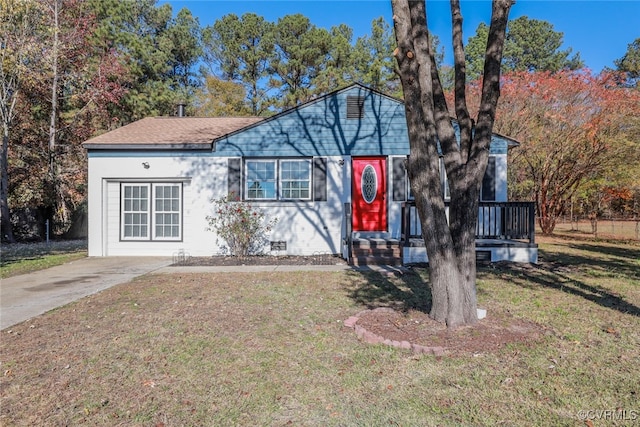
(355, 107)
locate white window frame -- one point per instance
(278, 180)
(444, 181)
(247, 186)
(127, 208)
(175, 209)
(281, 180)
(150, 210)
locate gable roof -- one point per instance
(323, 127)
(169, 133)
(319, 127)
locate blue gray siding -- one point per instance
(321, 128)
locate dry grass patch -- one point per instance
(271, 349)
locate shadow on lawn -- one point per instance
(561, 271)
(402, 292)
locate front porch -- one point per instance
(505, 232)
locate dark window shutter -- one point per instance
(399, 179)
(234, 179)
(355, 107)
(320, 179)
(489, 181)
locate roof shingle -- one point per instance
(170, 132)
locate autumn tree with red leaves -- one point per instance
(61, 98)
(574, 128)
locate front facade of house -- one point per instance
(328, 170)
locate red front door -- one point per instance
(369, 190)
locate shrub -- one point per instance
(240, 225)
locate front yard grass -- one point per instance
(22, 258)
(271, 349)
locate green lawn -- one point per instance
(271, 349)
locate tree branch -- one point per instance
(491, 78)
(460, 79)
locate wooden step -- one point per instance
(376, 260)
(384, 252)
(376, 243)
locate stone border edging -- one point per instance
(372, 338)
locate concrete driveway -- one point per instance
(25, 296)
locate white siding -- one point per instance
(501, 177)
(307, 227)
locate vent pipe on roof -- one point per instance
(181, 109)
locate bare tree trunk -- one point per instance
(60, 211)
(54, 92)
(5, 214)
(450, 243)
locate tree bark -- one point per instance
(5, 214)
(450, 243)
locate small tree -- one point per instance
(240, 225)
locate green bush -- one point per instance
(240, 225)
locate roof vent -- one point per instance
(355, 107)
(181, 109)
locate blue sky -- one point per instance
(599, 30)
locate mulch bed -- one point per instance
(488, 335)
(221, 260)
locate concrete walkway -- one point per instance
(28, 295)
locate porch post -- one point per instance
(532, 222)
(348, 226)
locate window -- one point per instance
(488, 189)
(135, 212)
(278, 179)
(167, 211)
(295, 179)
(400, 179)
(261, 179)
(444, 180)
(143, 218)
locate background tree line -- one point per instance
(72, 69)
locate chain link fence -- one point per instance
(615, 228)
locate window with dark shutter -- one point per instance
(488, 193)
(399, 179)
(234, 179)
(320, 179)
(355, 107)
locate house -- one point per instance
(331, 170)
